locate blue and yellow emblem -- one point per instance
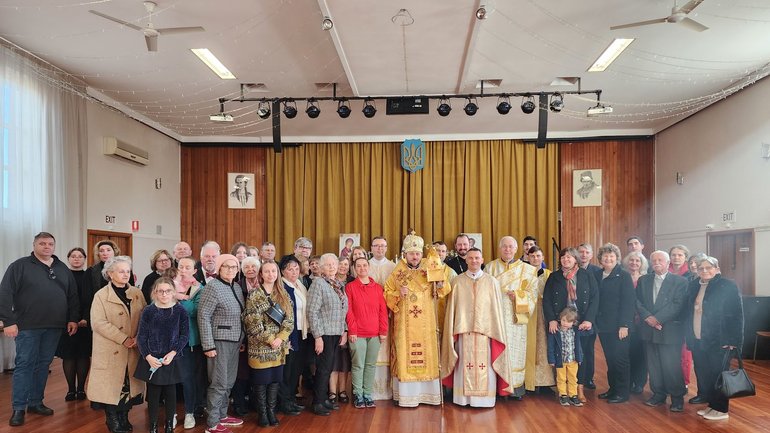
(413, 155)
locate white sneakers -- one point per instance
(189, 421)
(716, 415)
(703, 412)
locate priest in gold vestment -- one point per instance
(474, 361)
(538, 372)
(380, 269)
(518, 283)
(411, 294)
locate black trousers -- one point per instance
(638, 355)
(708, 361)
(586, 368)
(616, 352)
(323, 368)
(296, 361)
(664, 363)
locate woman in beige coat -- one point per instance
(115, 314)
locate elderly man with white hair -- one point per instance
(661, 297)
(207, 266)
(518, 283)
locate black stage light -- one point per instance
(528, 105)
(290, 109)
(503, 105)
(343, 109)
(444, 108)
(312, 109)
(369, 109)
(471, 108)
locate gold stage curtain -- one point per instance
(493, 187)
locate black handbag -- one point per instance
(734, 383)
(274, 312)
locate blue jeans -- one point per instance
(34, 352)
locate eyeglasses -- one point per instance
(705, 268)
(228, 268)
(165, 292)
(51, 275)
(163, 261)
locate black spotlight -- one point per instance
(444, 108)
(471, 108)
(290, 109)
(343, 109)
(557, 102)
(312, 110)
(528, 105)
(503, 105)
(263, 110)
(369, 109)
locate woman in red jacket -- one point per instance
(367, 320)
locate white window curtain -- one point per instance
(42, 142)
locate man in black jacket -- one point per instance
(38, 298)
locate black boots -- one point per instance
(272, 402)
(169, 424)
(123, 421)
(112, 419)
(154, 427)
(260, 393)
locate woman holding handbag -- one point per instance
(715, 327)
(268, 320)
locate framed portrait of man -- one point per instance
(240, 188)
(587, 187)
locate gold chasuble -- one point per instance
(518, 285)
(414, 344)
(474, 321)
(538, 372)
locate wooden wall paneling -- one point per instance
(205, 215)
(628, 189)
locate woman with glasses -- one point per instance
(715, 326)
(159, 263)
(221, 333)
(115, 313)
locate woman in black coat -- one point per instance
(614, 321)
(573, 285)
(714, 326)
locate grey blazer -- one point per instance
(219, 313)
(668, 308)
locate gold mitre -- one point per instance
(413, 243)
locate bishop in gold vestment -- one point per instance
(412, 298)
(474, 361)
(518, 283)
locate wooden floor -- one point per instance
(536, 413)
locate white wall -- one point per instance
(719, 152)
(127, 191)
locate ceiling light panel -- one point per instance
(210, 60)
(610, 54)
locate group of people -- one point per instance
(245, 327)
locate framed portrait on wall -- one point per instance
(347, 242)
(475, 240)
(587, 187)
(239, 191)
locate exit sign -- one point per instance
(728, 217)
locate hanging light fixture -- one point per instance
(290, 109)
(444, 108)
(312, 109)
(471, 107)
(528, 104)
(343, 109)
(557, 102)
(369, 109)
(504, 105)
(263, 110)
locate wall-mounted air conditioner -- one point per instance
(120, 149)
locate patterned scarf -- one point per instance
(337, 286)
(569, 275)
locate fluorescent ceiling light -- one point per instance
(610, 54)
(213, 63)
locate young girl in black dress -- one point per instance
(163, 334)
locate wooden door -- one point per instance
(735, 252)
(124, 241)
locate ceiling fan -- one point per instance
(678, 15)
(150, 32)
